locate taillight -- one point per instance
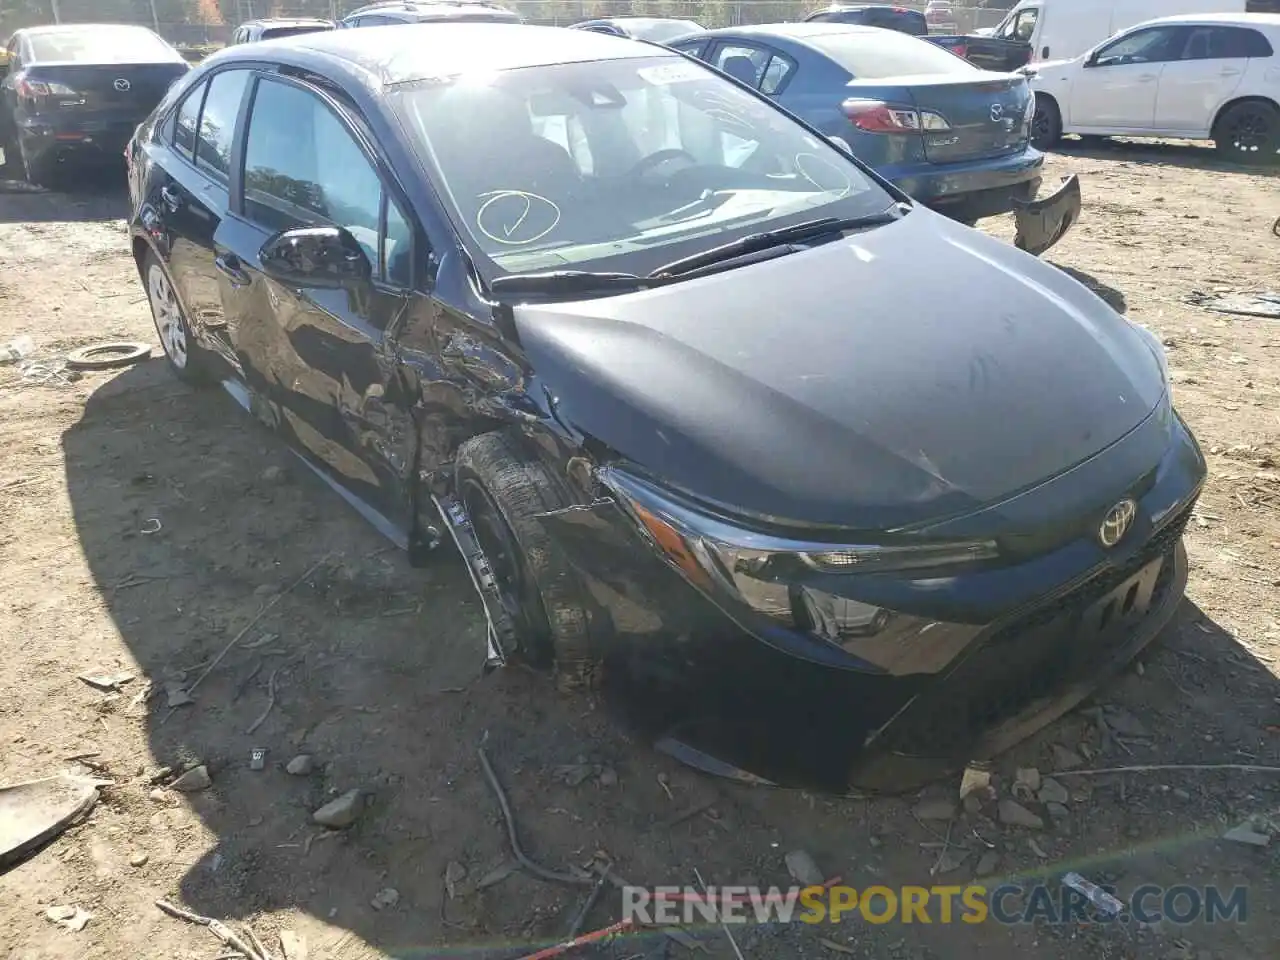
(38, 90)
(31, 89)
(876, 116)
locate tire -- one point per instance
(1248, 132)
(188, 361)
(503, 488)
(1046, 123)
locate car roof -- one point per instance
(285, 22)
(796, 31)
(80, 27)
(433, 51)
(1226, 19)
(422, 6)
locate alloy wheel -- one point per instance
(1250, 132)
(168, 316)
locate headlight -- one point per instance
(783, 579)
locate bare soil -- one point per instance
(143, 525)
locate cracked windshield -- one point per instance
(630, 162)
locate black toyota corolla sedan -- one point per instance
(822, 487)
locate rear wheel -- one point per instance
(186, 359)
(1046, 123)
(503, 490)
(1248, 132)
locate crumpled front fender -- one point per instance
(1042, 223)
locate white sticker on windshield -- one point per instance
(670, 73)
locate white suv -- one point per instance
(1197, 77)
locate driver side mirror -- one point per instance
(326, 257)
(1092, 59)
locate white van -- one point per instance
(1061, 29)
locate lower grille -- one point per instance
(1029, 658)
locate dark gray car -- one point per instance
(821, 484)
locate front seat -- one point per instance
(741, 68)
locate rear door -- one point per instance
(1211, 68)
(190, 198)
(322, 357)
(1116, 88)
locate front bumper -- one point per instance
(735, 698)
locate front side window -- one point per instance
(218, 121)
(303, 167)
(184, 130)
(1022, 26)
(680, 160)
(1153, 45)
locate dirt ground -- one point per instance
(143, 525)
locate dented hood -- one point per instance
(900, 375)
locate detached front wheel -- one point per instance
(538, 596)
(1248, 132)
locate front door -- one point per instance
(1116, 88)
(322, 357)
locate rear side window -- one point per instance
(218, 121)
(184, 130)
(889, 55)
(909, 22)
(1225, 43)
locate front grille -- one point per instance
(1029, 658)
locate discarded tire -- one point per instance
(104, 356)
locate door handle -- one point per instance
(170, 198)
(229, 266)
(1230, 72)
(1147, 77)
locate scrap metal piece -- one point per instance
(34, 812)
(1042, 223)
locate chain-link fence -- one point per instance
(210, 22)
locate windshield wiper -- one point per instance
(755, 242)
(568, 281)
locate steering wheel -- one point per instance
(645, 164)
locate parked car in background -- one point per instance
(428, 11)
(255, 30)
(940, 15)
(1061, 29)
(954, 137)
(654, 29)
(79, 90)
(902, 19)
(824, 486)
(1198, 77)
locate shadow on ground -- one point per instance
(372, 668)
(1177, 153)
(79, 194)
(1114, 298)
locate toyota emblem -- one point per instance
(997, 112)
(1117, 522)
(122, 85)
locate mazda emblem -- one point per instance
(997, 112)
(122, 85)
(1117, 522)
